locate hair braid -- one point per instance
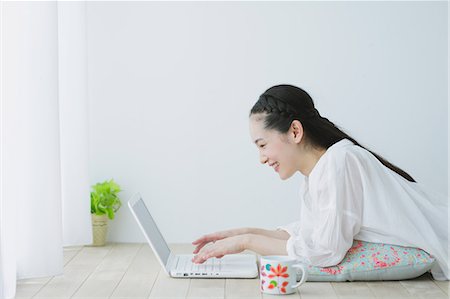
(270, 105)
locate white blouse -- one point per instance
(350, 195)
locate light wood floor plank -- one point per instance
(99, 287)
(145, 262)
(63, 286)
(207, 288)
(317, 290)
(389, 289)
(106, 277)
(27, 288)
(119, 258)
(167, 287)
(140, 276)
(424, 289)
(134, 286)
(70, 253)
(443, 285)
(352, 290)
(76, 271)
(89, 258)
(242, 288)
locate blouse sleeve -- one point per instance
(336, 212)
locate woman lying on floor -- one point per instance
(348, 192)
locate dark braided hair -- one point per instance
(283, 104)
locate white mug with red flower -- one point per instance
(278, 274)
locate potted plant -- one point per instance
(104, 204)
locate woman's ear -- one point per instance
(296, 131)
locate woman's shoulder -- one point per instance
(338, 152)
(341, 156)
(345, 148)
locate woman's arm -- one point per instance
(213, 237)
(265, 245)
(260, 244)
(277, 234)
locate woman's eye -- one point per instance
(262, 145)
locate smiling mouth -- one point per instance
(275, 166)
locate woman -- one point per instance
(348, 192)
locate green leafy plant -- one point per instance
(104, 199)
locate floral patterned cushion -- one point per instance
(375, 261)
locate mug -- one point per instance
(279, 274)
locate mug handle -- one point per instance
(304, 275)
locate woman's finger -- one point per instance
(206, 239)
(211, 237)
(200, 258)
(199, 247)
(206, 253)
(196, 260)
(213, 251)
(199, 240)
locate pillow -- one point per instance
(375, 261)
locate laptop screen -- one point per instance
(151, 230)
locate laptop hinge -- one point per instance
(171, 262)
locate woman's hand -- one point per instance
(225, 245)
(261, 241)
(202, 241)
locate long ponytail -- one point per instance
(283, 104)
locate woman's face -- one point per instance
(277, 150)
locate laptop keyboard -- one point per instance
(186, 265)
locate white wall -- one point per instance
(170, 86)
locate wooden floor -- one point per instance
(131, 271)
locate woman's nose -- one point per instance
(262, 159)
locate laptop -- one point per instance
(229, 266)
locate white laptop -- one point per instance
(230, 266)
